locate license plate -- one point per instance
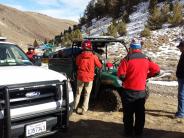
(35, 128)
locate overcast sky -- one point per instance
(63, 9)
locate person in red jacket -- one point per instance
(30, 53)
(86, 63)
(133, 70)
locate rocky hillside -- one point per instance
(24, 27)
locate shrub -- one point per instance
(176, 18)
(121, 28)
(112, 30)
(154, 20)
(146, 32)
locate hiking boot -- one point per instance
(75, 111)
(83, 112)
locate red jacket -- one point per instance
(86, 63)
(30, 55)
(135, 69)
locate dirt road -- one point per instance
(160, 122)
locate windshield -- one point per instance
(11, 55)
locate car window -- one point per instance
(11, 55)
(67, 52)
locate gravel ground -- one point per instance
(160, 121)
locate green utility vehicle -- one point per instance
(106, 86)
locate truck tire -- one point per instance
(111, 100)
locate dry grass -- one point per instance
(24, 27)
(163, 39)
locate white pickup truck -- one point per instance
(34, 101)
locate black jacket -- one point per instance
(180, 67)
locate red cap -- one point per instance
(87, 45)
(109, 64)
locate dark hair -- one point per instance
(30, 48)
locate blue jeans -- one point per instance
(180, 112)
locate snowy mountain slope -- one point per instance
(137, 21)
(98, 27)
(161, 46)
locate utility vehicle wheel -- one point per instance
(111, 100)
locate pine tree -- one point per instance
(76, 35)
(107, 5)
(130, 5)
(82, 21)
(99, 9)
(154, 20)
(152, 5)
(35, 43)
(69, 29)
(112, 30)
(171, 5)
(165, 12)
(57, 39)
(45, 41)
(120, 8)
(61, 34)
(121, 28)
(115, 8)
(89, 12)
(176, 18)
(125, 16)
(75, 27)
(111, 7)
(66, 39)
(146, 32)
(65, 31)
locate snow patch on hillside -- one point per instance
(138, 19)
(98, 27)
(165, 83)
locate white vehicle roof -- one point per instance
(3, 42)
(2, 38)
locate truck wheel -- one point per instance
(111, 100)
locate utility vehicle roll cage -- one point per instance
(98, 42)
